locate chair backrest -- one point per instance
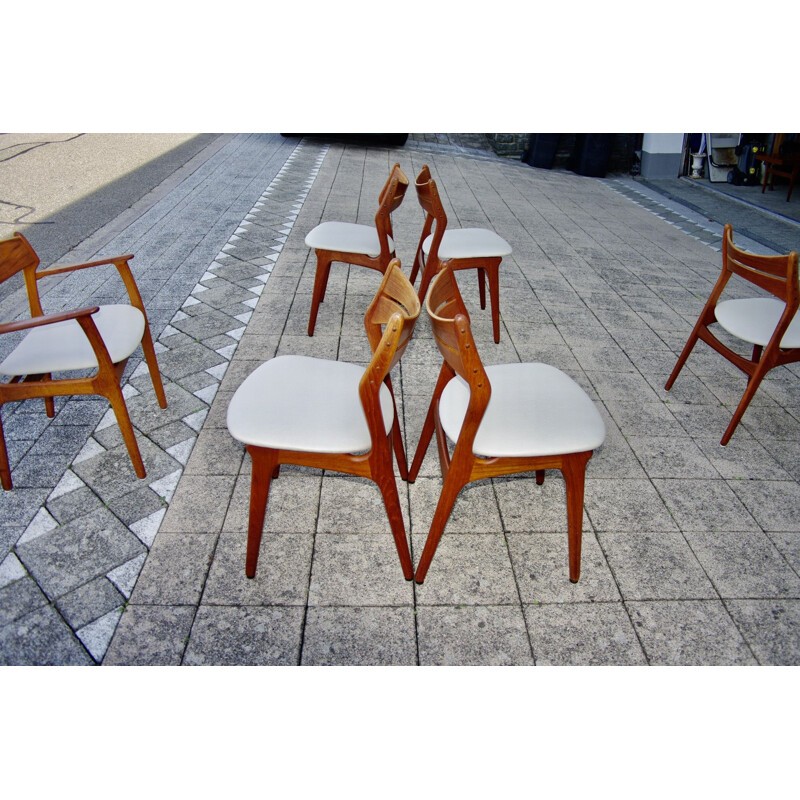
(453, 336)
(17, 254)
(428, 196)
(389, 323)
(775, 274)
(390, 198)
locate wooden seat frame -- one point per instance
(390, 198)
(396, 308)
(487, 266)
(451, 329)
(775, 274)
(16, 254)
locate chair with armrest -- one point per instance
(504, 419)
(100, 338)
(353, 243)
(460, 248)
(769, 324)
(330, 414)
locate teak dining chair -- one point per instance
(460, 248)
(784, 160)
(504, 420)
(353, 243)
(101, 338)
(330, 414)
(769, 324)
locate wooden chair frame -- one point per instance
(396, 309)
(16, 254)
(777, 163)
(390, 198)
(487, 266)
(775, 274)
(451, 329)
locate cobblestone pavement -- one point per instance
(691, 550)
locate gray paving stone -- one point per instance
(89, 602)
(359, 636)
(110, 474)
(467, 569)
(41, 638)
(626, 505)
(771, 628)
(744, 564)
(541, 570)
(19, 598)
(67, 507)
(199, 504)
(151, 636)
(582, 634)
(689, 632)
(245, 636)
(175, 571)
(702, 505)
(473, 636)
(655, 566)
(73, 554)
(357, 570)
(774, 504)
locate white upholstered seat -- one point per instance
(304, 403)
(347, 237)
(63, 346)
(469, 243)
(754, 320)
(534, 410)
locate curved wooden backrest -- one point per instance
(396, 308)
(428, 196)
(775, 274)
(453, 335)
(391, 197)
(395, 295)
(17, 254)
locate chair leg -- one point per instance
(265, 467)
(49, 404)
(752, 385)
(5, 469)
(152, 366)
(574, 471)
(391, 501)
(429, 425)
(482, 286)
(539, 477)
(494, 295)
(452, 486)
(687, 349)
(320, 284)
(114, 396)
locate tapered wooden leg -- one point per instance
(5, 469)
(752, 385)
(152, 366)
(264, 468)
(391, 501)
(539, 477)
(687, 349)
(482, 286)
(574, 471)
(445, 375)
(49, 405)
(494, 295)
(397, 438)
(320, 284)
(447, 500)
(126, 429)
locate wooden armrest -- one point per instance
(47, 319)
(57, 270)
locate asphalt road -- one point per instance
(58, 189)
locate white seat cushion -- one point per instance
(469, 243)
(754, 320)
(347, 237)
(307, 404)
(63, 346)
(534, 410)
